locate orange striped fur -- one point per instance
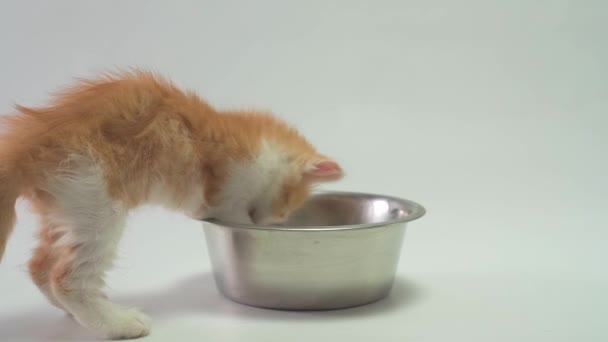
(107, 145)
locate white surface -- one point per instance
(494, 115)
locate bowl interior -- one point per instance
(334, 209)
(343, 210)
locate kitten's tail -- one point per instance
(9, 192)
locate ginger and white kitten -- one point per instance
(108, 145)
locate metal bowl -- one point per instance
(339, 250)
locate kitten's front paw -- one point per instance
(114, 321)
(127, 324)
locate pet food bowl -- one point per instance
(339, 250)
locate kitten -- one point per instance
(108, 145)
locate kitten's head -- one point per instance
(276, 177)
(289, 191)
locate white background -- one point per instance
(492, 114)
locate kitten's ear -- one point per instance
(323, 170)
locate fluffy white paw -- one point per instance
(116, 322)
(127, 323)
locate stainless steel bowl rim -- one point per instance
(417, 212)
